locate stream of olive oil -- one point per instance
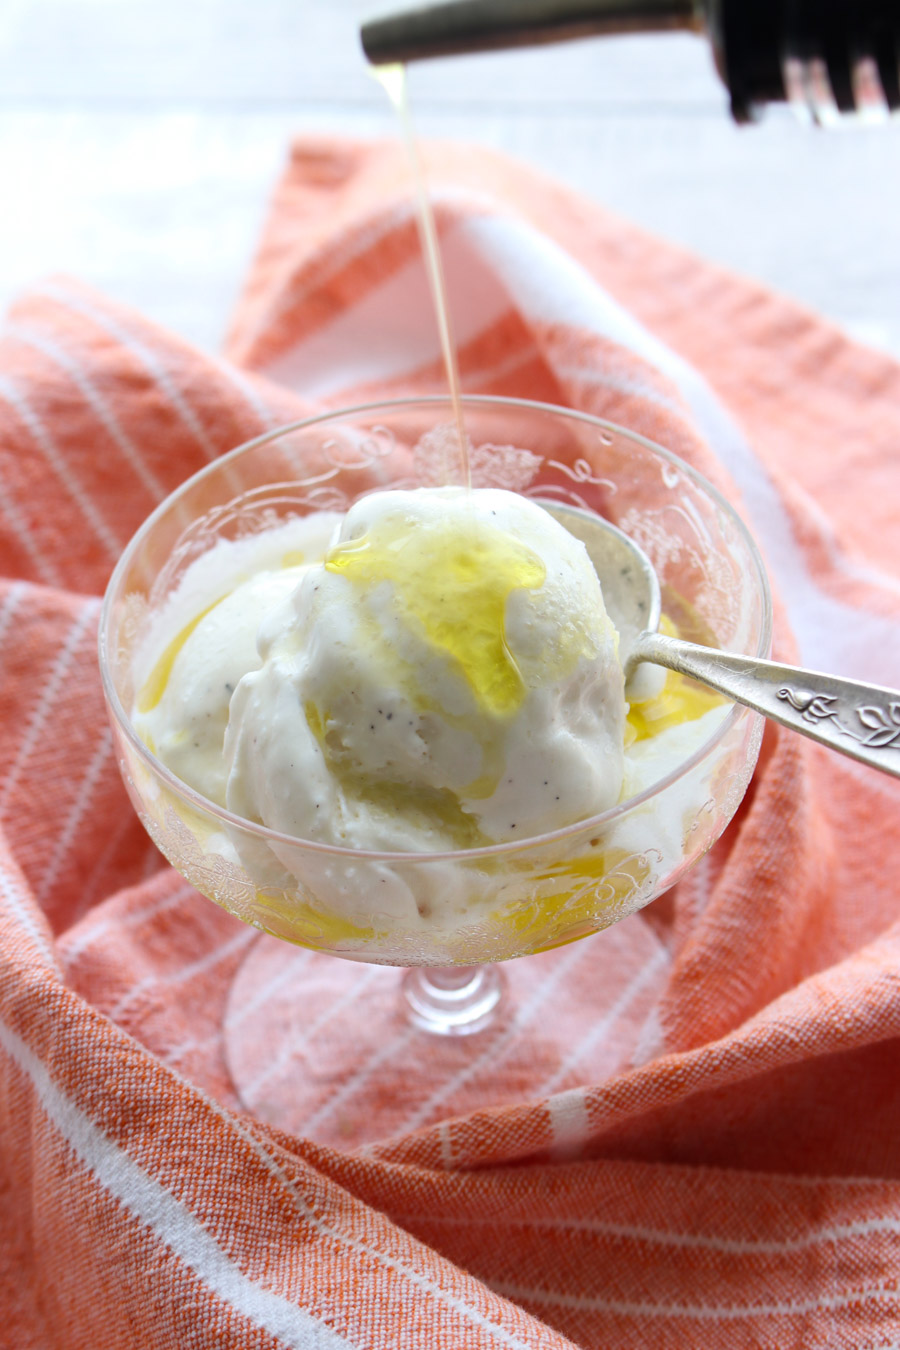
(393, 78)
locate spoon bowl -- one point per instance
(856, 719)
(631, 591)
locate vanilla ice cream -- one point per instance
(204, 641)
(446, 678)
(430, 673)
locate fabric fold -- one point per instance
(687, 1133)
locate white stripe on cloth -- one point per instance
(549, 286)
(8, 610)
(116, 922)
(268, 419)
(176, 1226)
(127, 822)
(392, 330)
(34, 728)
(724, 1312)
(330, 259)
(604, 1024)
(236, 1016)
(657, 1237)
(250, 1091)
(494, 1050)
(208, 961)
(445, 1135)
(74, 817)
(393, 1048)
(171, 1222)
(419, 1282)
(569, 1121)
(621, 384)
(22, 911)
(59, 465)
(45, 570)
(495, 262)
(147, 358)
(98, 405)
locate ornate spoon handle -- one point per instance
(859, 720)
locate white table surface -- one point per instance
(139, 141)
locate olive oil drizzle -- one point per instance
(452, 584)
(154, 686)
(393, 79)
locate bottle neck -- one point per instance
(464, 26)
(832, 56)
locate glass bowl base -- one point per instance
(307, 1037)
(452, 1000)
(330, 1050)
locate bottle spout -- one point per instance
(463, 26)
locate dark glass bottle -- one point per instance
(834, 56)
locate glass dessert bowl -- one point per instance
(446, 915)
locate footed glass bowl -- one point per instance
(498, 902)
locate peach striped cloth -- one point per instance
(688, 1130)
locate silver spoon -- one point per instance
(859, 720)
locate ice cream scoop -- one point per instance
(447, 677)
(856, 719)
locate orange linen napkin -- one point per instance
(689, 1133)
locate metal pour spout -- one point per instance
(830, 56)
(462, 26)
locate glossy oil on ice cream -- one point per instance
(433, 672)
(447, 678)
